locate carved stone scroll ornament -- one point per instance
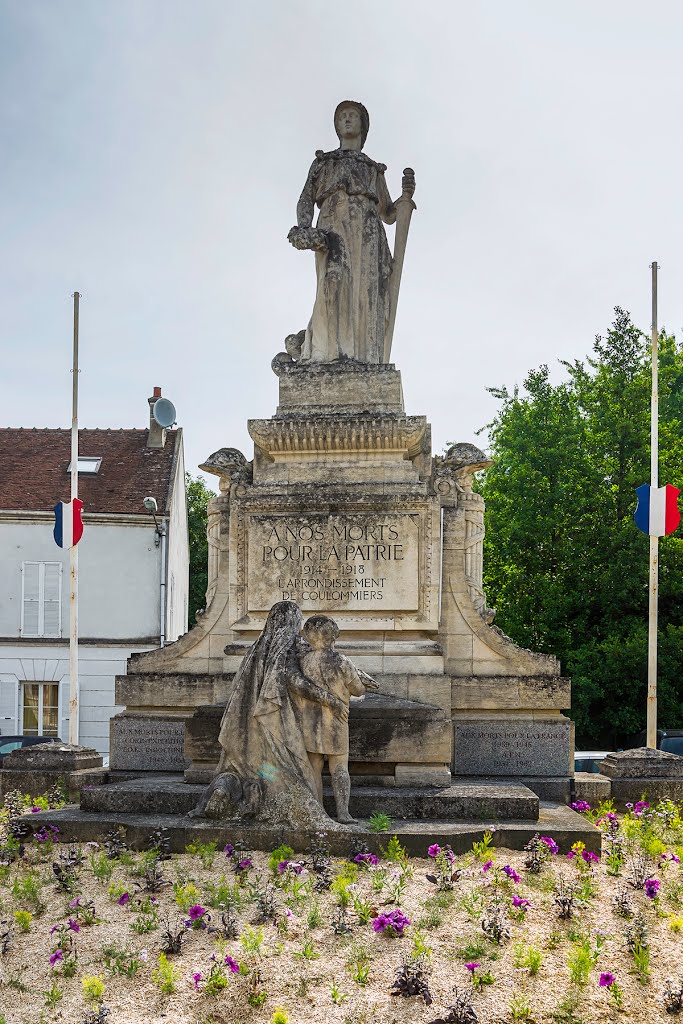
(230, 466)
(456, 470)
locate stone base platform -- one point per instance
(556, 820)
(472, 800)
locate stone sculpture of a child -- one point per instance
(326, 732)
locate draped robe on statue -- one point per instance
(352, 304)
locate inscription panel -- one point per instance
(521, 747)
(356, 562)
(150, 744)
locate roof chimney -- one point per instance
(156, 437)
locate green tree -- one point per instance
(198, 497)
(564, 564)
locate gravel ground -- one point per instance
(449, 924)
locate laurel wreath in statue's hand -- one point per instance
(308, 238)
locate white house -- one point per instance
(133, 570)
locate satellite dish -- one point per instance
(163, 412)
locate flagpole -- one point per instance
(653, 587)
(73, 550)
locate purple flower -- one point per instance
(232, 964)
(571, 855)
(449, 854)
(123, 899)
(393, 923)
(196, 912)
(590, 858)
(368, 859)
(228, 849)
(511, 873)
(472, 967)
(56, 957)
(245, 864)
(434, 850)
(550, 843)
(196, 978)
(517, 901)
(74, 925)
(55, 928)
(487, 865)
(652, 887)
(641, 806)
(75, 903)
(282, 866)
(580, 806)
(35, 810)
(607, 979)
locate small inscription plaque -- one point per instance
(522, 747)
(147, 743)
(359, 562)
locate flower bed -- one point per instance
(221, 936)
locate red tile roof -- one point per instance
(33, 469)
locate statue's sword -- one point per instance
(404, 211)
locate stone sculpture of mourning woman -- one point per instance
(264, 771)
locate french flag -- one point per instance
(657, 511)
(68, 523)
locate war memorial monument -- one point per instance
(399, 694)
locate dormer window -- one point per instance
(87, 465)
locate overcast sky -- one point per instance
(152, 153)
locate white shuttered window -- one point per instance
(41, 605)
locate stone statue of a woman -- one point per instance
(265, 771)
(356, 296)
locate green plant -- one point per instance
(308, 952)
(475, 949)
(15, 981)
(279, 854)
(256, 994)
(29, 890)
(527, 957)
(565, 1011)
(186, 896)
(93, 987)
(420, 948)
(22, 919)
(251, 940)
(358, 959)
(363, 909)
(119, 960)
(279, 1016)
(115, 891)
(641, 963)
(394, 852)
(223, 894)
(473, 904)
(481, 849)
(101, 865)
(520, 1008)
(315, 916)
(165, 975)
(379, 822)
(53, 995)
(206, 852)
(336, 994)
(580, 963)
(145, 922)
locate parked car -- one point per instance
(589, 760)
(10, 743)
(670, 740)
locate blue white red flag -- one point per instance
(657, 511)
(68, 523)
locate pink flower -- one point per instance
(607, 979)
(196, 912)
(550, 843)
(472, 967)
(434, 850)
(517, 901)
(581, 806)
(232, 964)
(590, 858)
(56, 957)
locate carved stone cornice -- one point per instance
(381, 433)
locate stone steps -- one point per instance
(461, 801)
(556, 820)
